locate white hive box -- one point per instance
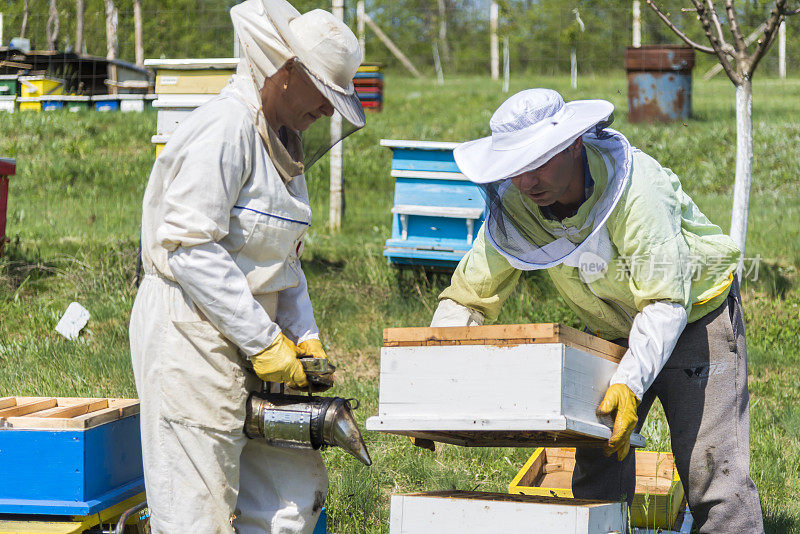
(173, 109)
(496, 386)
(461, 512)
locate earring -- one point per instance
(285, 85)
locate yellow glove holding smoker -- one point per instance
(311, 348)
(620, 399)
(279, 363)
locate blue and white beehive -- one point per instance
(68, 456)
(437, 211)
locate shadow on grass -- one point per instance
(770, 277)
(20, 266)
(321, 265)
(413, 277)
(779, 522)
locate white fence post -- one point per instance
(337, 184)
(494, 52)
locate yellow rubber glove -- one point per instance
(311, 347)
(279, 363)
(620, 399)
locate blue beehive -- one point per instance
(437, 210)
(62, 456)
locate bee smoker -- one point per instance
(306, 422)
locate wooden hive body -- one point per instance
(505, 385)
(67, 456)
(462, 512)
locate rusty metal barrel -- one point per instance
(659, 82)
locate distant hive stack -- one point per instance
(368, 82)
(34, 88)
(437, 211)
(182, 85)
(8, 92)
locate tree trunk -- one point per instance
(137, 29)
(23, 28)
(493, 44)
(111, 43)
(744, 166)
(79, 9)
(360, 22)
(336, 181)
(52, 26)
(443, 32)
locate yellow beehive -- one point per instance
(205, 82)
(32, 86)
(659, 491)
(29, 103)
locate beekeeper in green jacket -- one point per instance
(637, 261)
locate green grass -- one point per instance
(74, 218)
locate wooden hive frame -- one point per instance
(62, 413)
(503, 335)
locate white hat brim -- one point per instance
(482, 162)
(348, 105)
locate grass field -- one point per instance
(74, 217)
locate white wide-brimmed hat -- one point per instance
(273, 31)
(527, 130)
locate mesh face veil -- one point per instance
(509, 215)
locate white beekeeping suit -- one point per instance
(224, 219)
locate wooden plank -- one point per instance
(503, 335)
(28, 407)
(521, 333)
(5, 402)
(79, 409)
(116, 409)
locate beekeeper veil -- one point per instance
(270, 32)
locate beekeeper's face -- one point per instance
(301, 101)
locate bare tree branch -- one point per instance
(773, 23)
(715, 20)
(662, 16)
(790, 12)
(721, 49)
(733, 23)
(717, 41)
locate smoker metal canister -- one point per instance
(299, 422)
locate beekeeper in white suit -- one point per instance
(224, 218)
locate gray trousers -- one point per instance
(703, 388)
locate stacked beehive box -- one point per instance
(182, 85)
(437, 210)
(68, 456)
(659, 492)
(497, 386)
(368, 82)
